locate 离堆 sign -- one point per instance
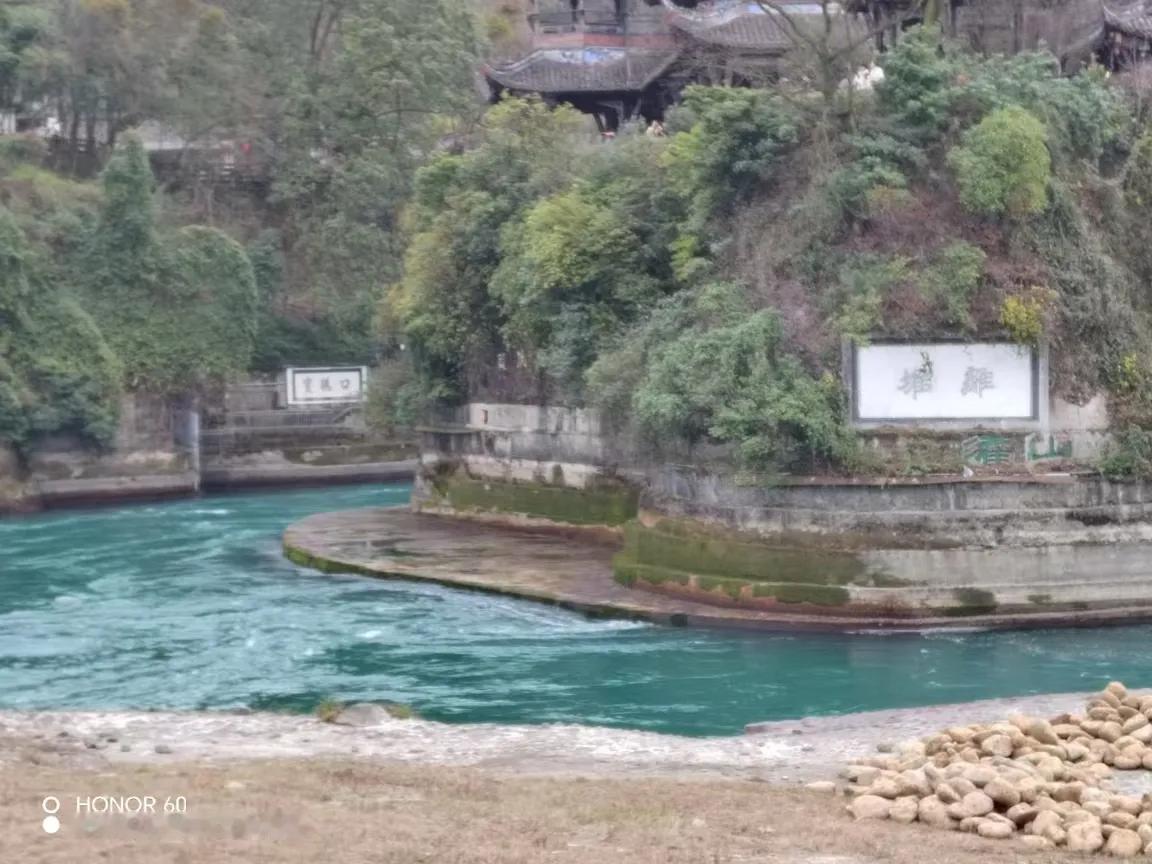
(945, 381)
(331, 384)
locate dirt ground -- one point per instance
(351, 812)
(267, 788)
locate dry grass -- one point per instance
(259, 813)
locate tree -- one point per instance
(727, 378)
(57, 373)
(179, 307)
(442, 306)
(1003, 166)
(24, 28)
(358, 123)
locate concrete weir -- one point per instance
(572, 568)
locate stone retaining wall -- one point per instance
(911, 547)
(146, 459)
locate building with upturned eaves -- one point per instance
(617, 59)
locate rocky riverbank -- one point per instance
(1049, 782)
(788, 752)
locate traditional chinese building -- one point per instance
(618, 59)
(1126, 38)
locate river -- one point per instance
(189, 604)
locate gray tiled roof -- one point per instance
(1134, 21)
(735, 25)
(555, 70)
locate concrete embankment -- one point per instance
(1020, 542)
(573, 568)
(292, 474)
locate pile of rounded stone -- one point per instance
(1043, 781)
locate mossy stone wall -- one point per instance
(729, 567)
(606, 503)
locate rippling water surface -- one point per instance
(190, 605)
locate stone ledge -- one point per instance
(289, 473)
(577, 575)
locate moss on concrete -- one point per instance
(710, 551)
(303, 559)
(817, 595)
(711, 560)
(734, 588)
(971, 601)
(629, 572)
(607, 503)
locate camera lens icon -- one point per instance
(51, 806)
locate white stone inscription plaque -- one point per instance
(945, 381)
(335, 384)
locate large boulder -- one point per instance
(934, 812)
(977, 804)
(1110, 731)
(864, 775)
(1124, 844)
(997, 745)
(995, 829)
(1022, 814)
(904, 809)
(1048, 824)
(885, 787)
(363, 714)
(870, 807)
(1042, 731)
(1085, 837)
(1002, 792)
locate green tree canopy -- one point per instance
(57, 373)
(1003, 166)
(178, 307)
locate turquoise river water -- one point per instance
(190, 605)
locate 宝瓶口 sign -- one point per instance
(945, 381)
(326, 385)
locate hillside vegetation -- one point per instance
(117, 280)
(699, 286)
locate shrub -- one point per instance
(880, 162)
(329, 709)
(396, 399)
(952, 278)
(917, 87)
(731, 149)
(1023, 316)
(728, 379)
(1129, 455)
(1003, 166)
(1138, 179)
(864, 284)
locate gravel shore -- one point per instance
(790, 751)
